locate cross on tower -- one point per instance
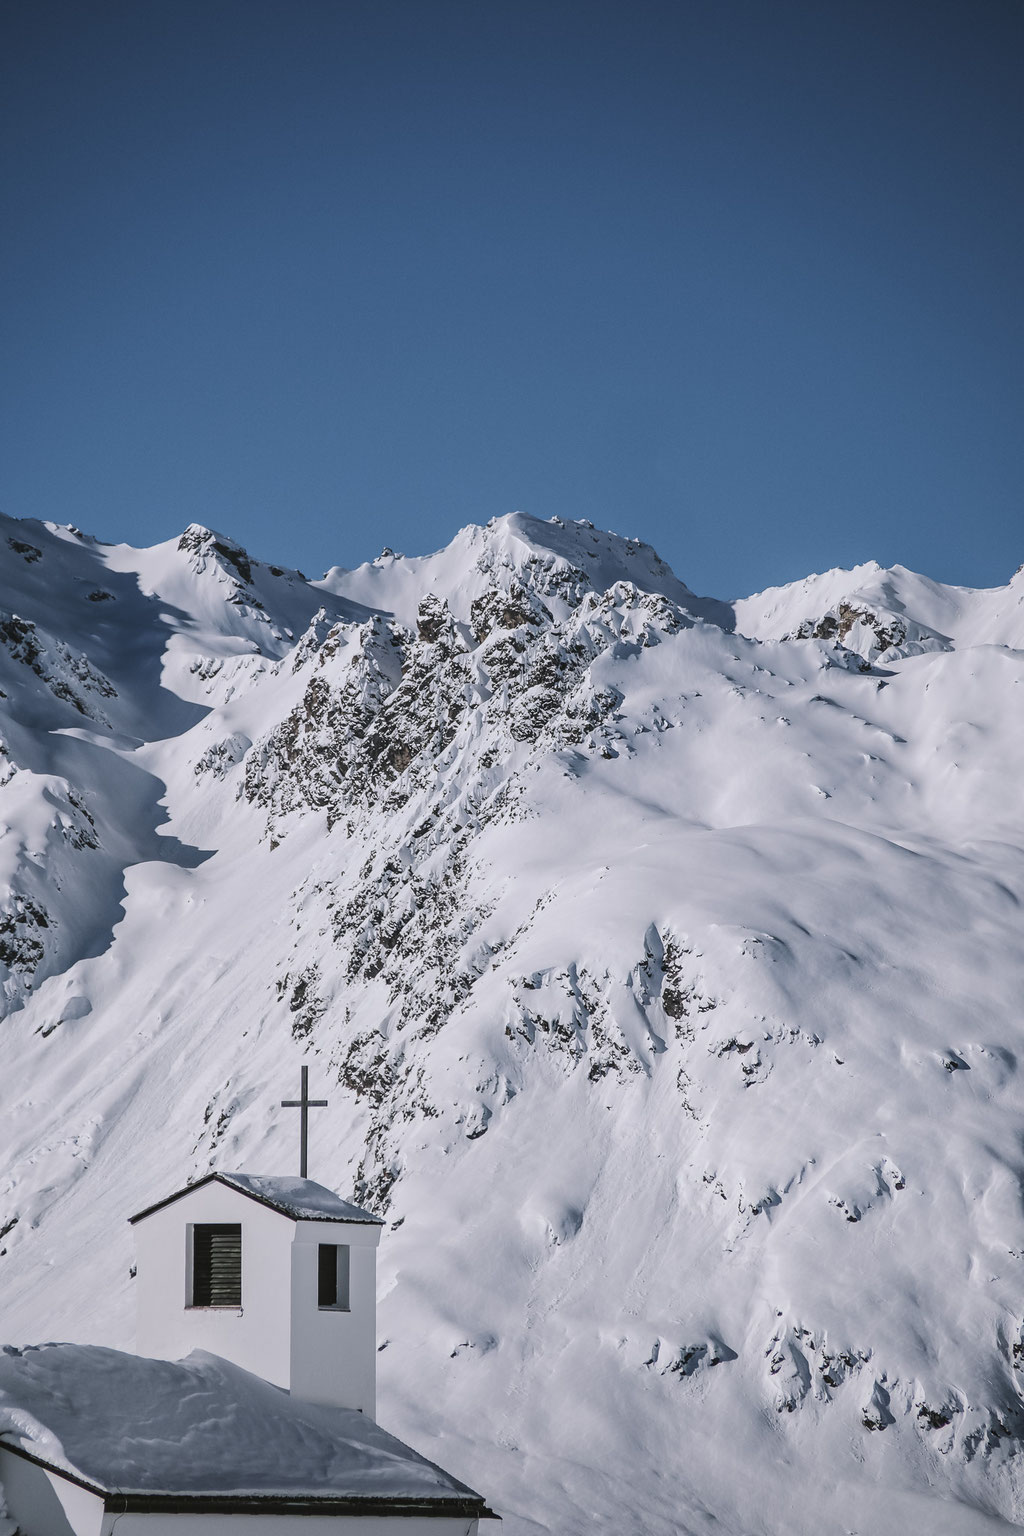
(304, 1104)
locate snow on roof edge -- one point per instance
(265, 1189)
(461, 1501)
(126, 1427)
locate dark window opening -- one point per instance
(332, 1277)
(217, 1265)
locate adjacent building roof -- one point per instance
(301, 1199)
(202, 1435)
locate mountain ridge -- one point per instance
(701, 946)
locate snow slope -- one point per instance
(661, 959)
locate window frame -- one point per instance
(191, 1304)
(342, 1278)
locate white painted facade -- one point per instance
(290, 1525)
(279, 1332)
(42, 1503)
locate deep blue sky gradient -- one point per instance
(741, 277)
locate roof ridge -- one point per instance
(349, 1213)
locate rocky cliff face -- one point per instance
(661, 959)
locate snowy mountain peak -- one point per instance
(885, 615)
(702, 949)
(559, 561)
(204, 545)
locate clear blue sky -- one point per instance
(743, 279)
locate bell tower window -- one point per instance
(216, 1266)
(332, 1277)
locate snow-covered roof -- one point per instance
(301, 1199)
(203, 1434)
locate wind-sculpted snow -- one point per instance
(661, 960)
(132, 1425)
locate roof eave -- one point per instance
(294, 1504)
(137, 1501)
(273, 1205)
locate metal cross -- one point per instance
(304, 1103)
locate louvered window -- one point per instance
(217, 1265)
(332, 1277)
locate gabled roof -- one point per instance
(299, 1199)
(202, 1435)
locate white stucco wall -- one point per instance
(279, 1332)
(43, 1504)
(334, 1354)
(256, 1335)
(288, 1525)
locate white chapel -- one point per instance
(277, 1274)
(249, 1406)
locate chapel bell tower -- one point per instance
(275, 1274)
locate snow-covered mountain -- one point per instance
(661, 959)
